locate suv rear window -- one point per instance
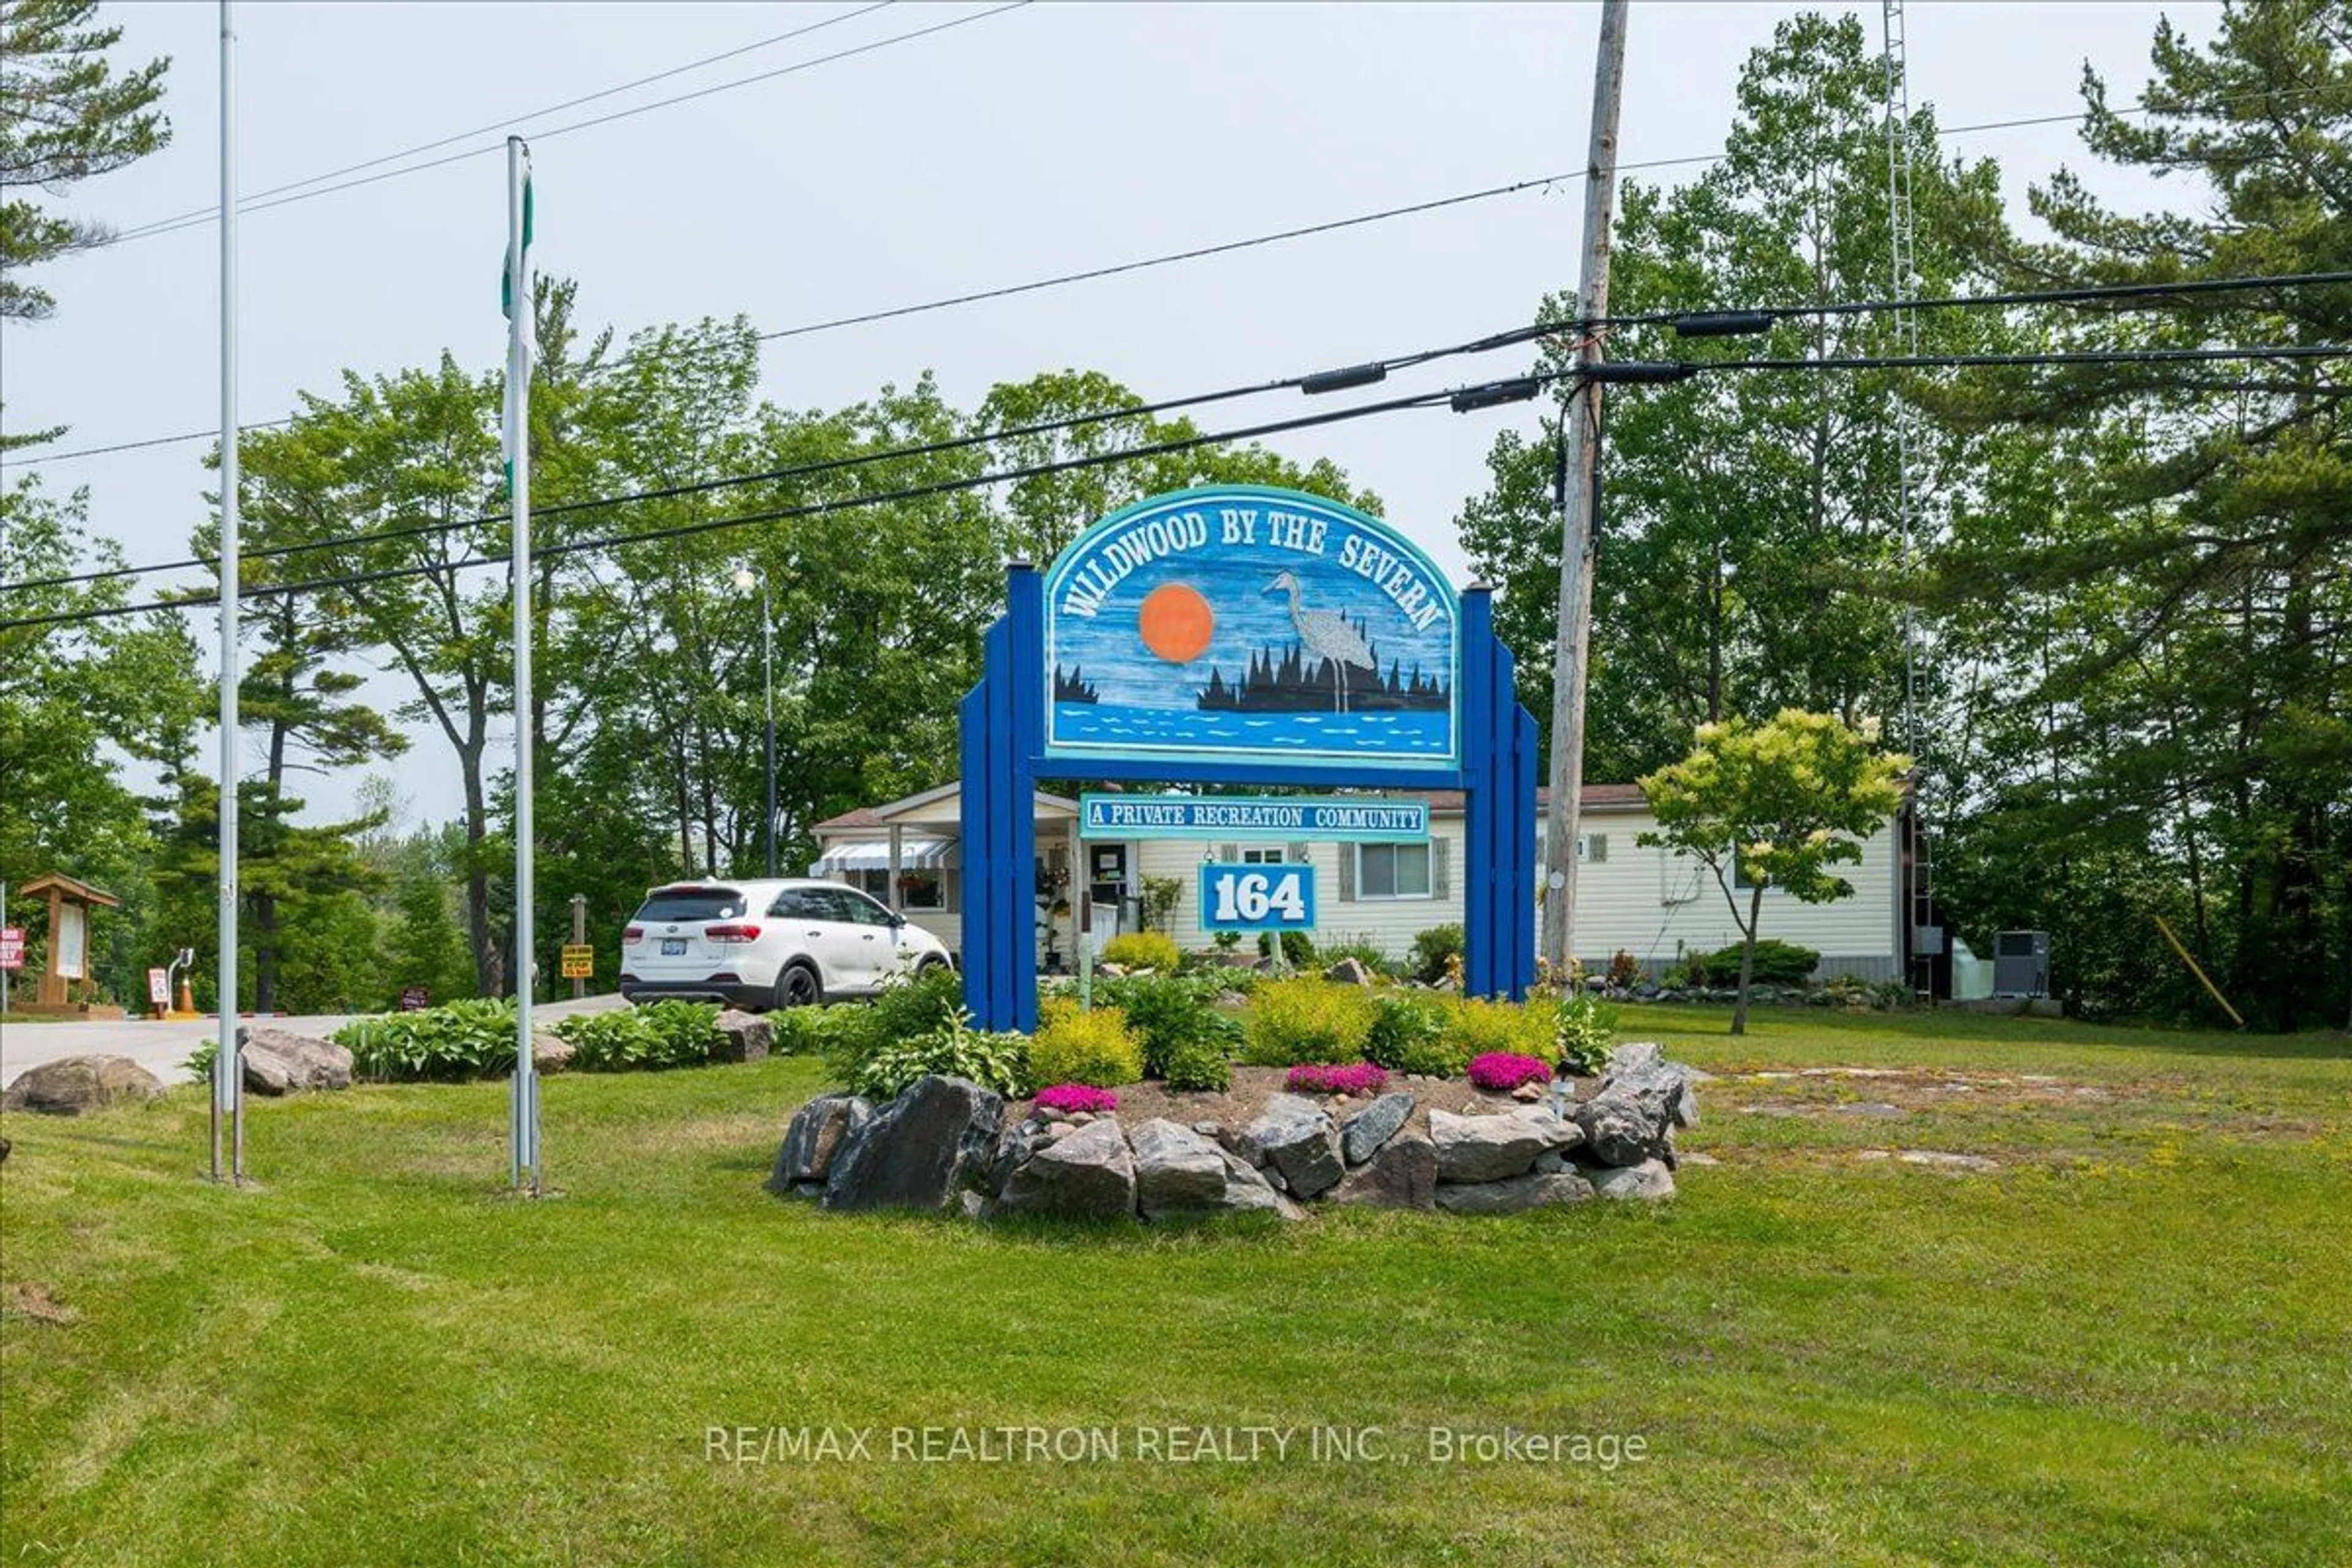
(692, 904)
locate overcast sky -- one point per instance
(1048, 139)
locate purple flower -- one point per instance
(1331, 1078)
(1504, 1071)
(1077, 1097)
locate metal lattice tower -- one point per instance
(1905, 282)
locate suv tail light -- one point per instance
(633, 933)
(730, 933)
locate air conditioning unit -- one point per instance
(2020, 964)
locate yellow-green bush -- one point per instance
(1093, 1047)
(1306, 1020)
(1143, 950)
(1476, 1026)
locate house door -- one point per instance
(1107, 891)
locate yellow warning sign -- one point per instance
(579, 962)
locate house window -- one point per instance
(1393, 871)
(1269, 855)
(919, 888)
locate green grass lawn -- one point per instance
(2127, 1345)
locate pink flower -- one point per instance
(1504, 1071)
(1077, 1097)
(1329, 1077)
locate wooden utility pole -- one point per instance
(1580, 437)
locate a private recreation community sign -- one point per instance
(1237, 621)
(1239, 818)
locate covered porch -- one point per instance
(909, 854)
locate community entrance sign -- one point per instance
(1232, 817)
(1240, 635)
(1250, 623)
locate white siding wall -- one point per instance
(1631, 897)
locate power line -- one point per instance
(1321, 381)
(1650, 371)
(815, 509)
(1144, 264)
(1737, 322)
(211, 215)
(1196, 253)
(1462, 399)
(1694, 322)
(207, 212)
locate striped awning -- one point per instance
(874, 855)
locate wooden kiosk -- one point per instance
(64, 989)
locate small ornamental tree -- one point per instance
(1773, 806)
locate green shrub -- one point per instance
(1409, 1035)
(1476, 1025)
(906, 1008)
(1143, 950)
(1364, 951)
(1093, 1047)
(669, 1033)
(809, 1031)
(951, 1048)
(1204, 1062)
(1777, 962)
(1433, 950)
(1581, 1027)
(1167, 1013)
(457, 1040)
(1306, 1019)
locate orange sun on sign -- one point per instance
(1175, 622)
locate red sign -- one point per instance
(12, 947)
(159, 987)
(414, 999)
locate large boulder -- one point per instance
(278, 1061)
(1247, 1190)
(1513, 1195)
(1625, 1128)
(551, 1053)
(919, 1150)
(1641, 1068)
(1088, 1172)
(1349, 972)
(1402, 1174)
(817, 1132)
(71, 1084)
(1176, 1168)
(1296, 1137)
(1491, 1148)
(1365, 1132)
(742, 1037)
(1649, 1180)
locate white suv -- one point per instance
(761, 944)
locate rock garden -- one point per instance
(1175, 1094)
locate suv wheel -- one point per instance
(798, 986)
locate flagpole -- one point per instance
(525, 1099)
(228, 1080)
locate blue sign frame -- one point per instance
(1234, 818)
(1004, 755)
(1273, 917)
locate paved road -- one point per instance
(160, 1049)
